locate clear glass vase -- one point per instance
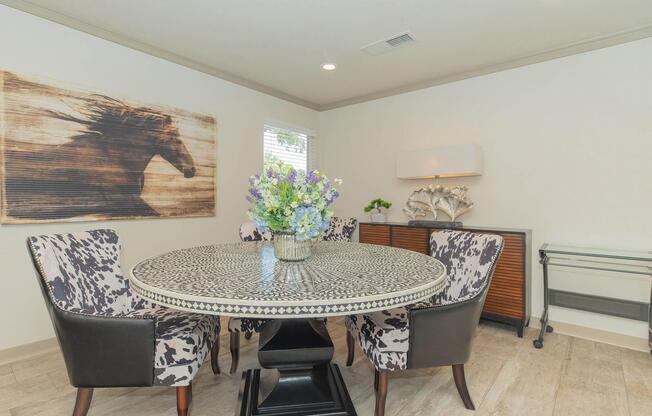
(287, 247)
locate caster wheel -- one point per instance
(538, 344)
(549, 329)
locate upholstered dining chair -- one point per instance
(436, 332)
(108, 336)
(340, 229)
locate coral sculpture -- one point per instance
(452, 201)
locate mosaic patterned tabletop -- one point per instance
(246, 280)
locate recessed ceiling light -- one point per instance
(328, 67)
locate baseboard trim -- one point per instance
(25, 351)
(598, 335)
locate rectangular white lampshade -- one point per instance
(443, 162)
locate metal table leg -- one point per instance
(545, 328)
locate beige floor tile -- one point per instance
(6, 375)
(506, 376)
(35, 366)
(600, 363)
(523, 388)
(637, 370)
(583, 397)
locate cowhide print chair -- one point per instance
(109, 337)
(249, 232)
(340, 229)
(438, 331)
(248, 326)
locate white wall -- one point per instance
(36, 47)
(567, 147)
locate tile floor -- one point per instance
(506, 376)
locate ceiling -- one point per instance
(278, 46)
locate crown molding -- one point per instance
(573, 48)
(110, 36)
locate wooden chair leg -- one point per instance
(248, 335)
(215, 352)
(460, 383)
(235, 351)
(83, 401)
(376, 381)
(350, 349)
(184, 397)
(381, 392)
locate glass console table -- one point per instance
(618, 261)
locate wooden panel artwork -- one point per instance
(72, 155)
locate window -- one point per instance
(292, 146)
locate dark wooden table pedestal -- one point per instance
(308, 384)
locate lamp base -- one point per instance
(435, 224)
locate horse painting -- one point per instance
(82, 156)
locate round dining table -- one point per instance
(246, 280)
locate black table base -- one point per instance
(308, 383)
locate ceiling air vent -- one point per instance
(386, 45)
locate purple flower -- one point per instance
(254, 192)
(249, 198)
(313, 178)
(327, 185)
(332, 198)
(270, 173)
(292, 176)
(277, 191)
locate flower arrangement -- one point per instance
(289, 201)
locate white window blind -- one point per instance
(291, 146)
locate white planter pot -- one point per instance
(378, 217)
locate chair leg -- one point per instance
(376, 381)
(215, 352)
(350, 349)
(83, 401)
(381, 392)
(184, 396)
(235, 351)
(460, 383)
(248, 335)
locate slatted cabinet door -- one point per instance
(506, 297)
(415, 239)
(375, 234)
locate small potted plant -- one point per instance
(376, 205)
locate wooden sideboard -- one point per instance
(507, 300)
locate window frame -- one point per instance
(311, 147)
